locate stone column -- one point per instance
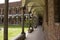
(45, 20)
(6, 20)
(23, 36)
(23, 11)
(51, 27)
(30, 23)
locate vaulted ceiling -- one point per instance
(37, 6)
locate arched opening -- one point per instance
(40, 20)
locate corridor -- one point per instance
(37, 34)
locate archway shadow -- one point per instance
(40, 20)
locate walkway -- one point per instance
(36, 35)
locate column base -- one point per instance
(30, 30)
(35, 27)
(21, 37)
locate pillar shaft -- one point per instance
(29, 21)
(51, 29)
(6, 21)
(45, 20)
(23, 21)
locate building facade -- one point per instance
(14, 13)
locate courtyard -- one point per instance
(13, 31)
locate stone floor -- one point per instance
(37, 34)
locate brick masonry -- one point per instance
(52, 29)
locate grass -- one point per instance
(13, 31)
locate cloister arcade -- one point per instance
(47, 10)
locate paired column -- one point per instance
(30, 23)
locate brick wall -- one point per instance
(52, 29)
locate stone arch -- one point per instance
(38, 15)
(31, 5)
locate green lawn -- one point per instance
(13, 31)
